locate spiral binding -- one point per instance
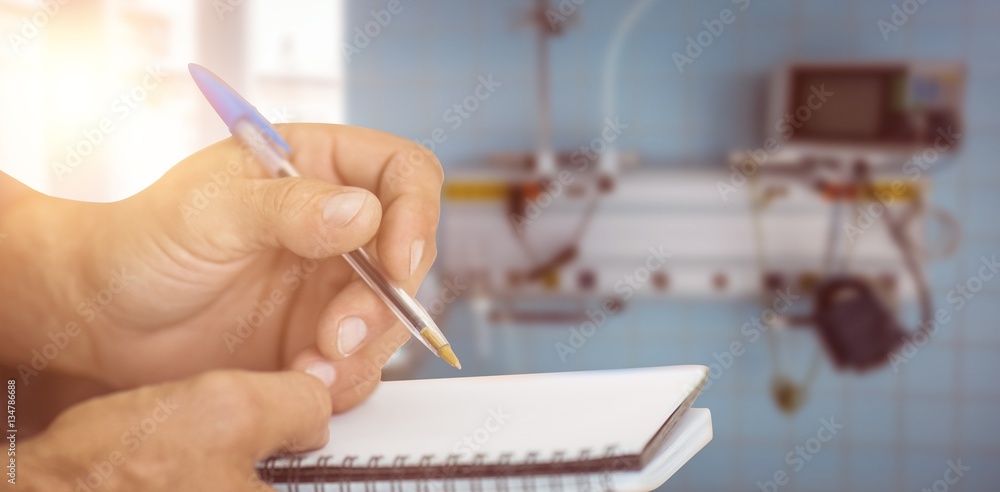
(504, 475)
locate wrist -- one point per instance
(41, 265)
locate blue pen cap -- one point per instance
(230, 106)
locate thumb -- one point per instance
(312, 218)
(290, 411)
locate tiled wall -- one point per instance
(901, 429)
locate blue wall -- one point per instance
(900, 428)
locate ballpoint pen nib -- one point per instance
(448, 355)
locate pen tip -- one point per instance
(448, 355)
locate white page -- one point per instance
(541, 413)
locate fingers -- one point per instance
(406, 177)
(410, 189)
(406, 244)
(309, 217)
(353, 317)
(364, 369)
(272, 411)
(297, 413)
(236, 418)
(355, 377)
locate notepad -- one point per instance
(628, 429)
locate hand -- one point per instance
(204, 433)
(217, 265)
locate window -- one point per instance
(97, 101)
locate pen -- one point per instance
(247, 125)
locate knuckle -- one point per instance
(431, 214)
(411, 165)
(400, 172)
(287, 195)
(433, 164)
(229, 393)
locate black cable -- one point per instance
(587, 218)
(562, 255)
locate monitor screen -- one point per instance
(877, 104)
(853, 111)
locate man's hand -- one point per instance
(217, 265)
(204, 433)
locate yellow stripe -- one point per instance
(474, 191)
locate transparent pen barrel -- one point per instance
(406, 308)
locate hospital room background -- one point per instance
(801, 195)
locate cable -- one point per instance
(907, 250)
(951, 229)
(586, 219)
(614, 50)
(562, 255)
(833, 237)
(609, 161)
(628, 23)
(788, 394)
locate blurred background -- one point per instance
(798, 194)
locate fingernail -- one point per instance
(416, 254)
(352, 332)
(340, 209)
(323, 371)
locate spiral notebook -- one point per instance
(628, 429)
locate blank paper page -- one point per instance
(541, 413)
